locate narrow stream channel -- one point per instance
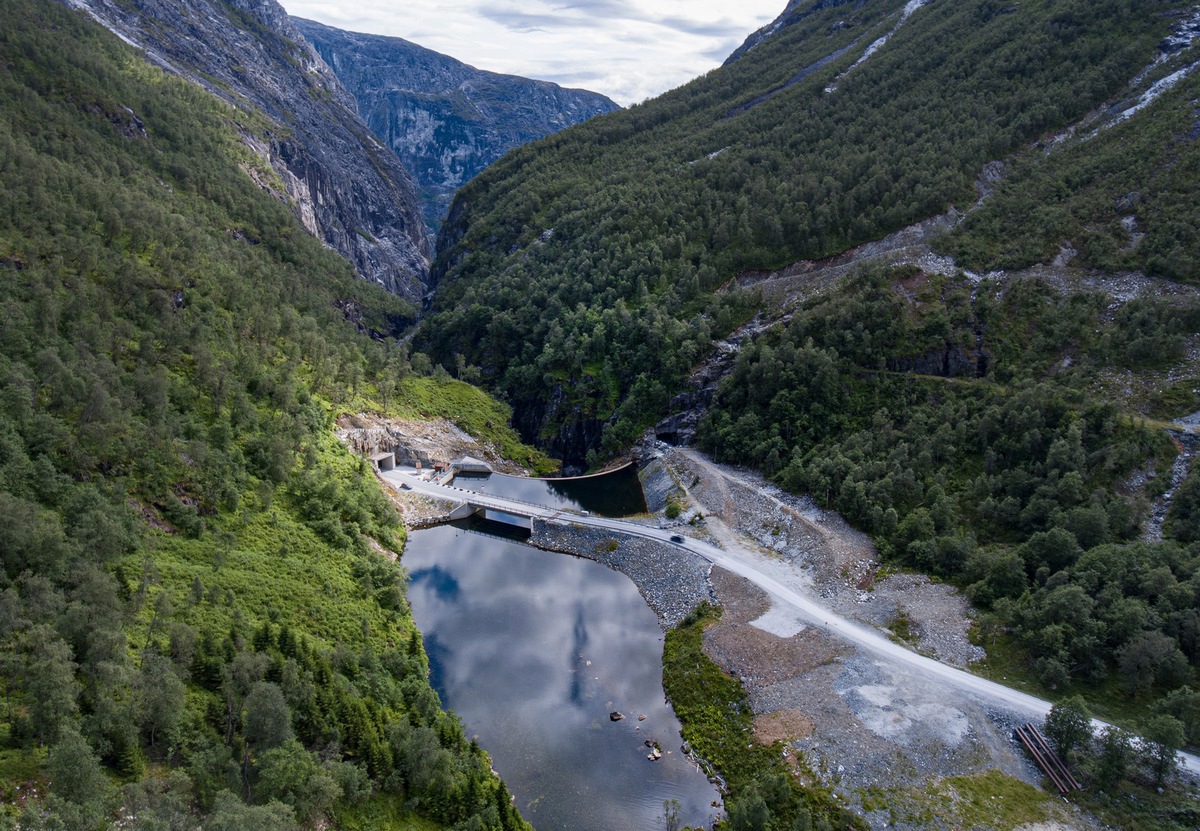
(534, 650)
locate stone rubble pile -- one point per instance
(673, 581)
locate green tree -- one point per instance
(79, 789)
(231, 814)
(212, 770)
(51, 689)
(1151, 656)
(160, 803)
(1183, 704)
(1069, 726)
(291, 775)
(268, 722)
(268, 717)
(749, 812)
(1115, 754)
(162, 695)
(1163, 737)
(239, 678)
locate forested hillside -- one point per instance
(200, 612)
(1121, 191)
(986, 428)
(578, 273)
(1018, 484)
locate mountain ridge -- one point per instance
(345, 187)
(444, 119)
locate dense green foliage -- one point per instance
(472, 410)
(576, 272)
(198, 613)
(718, 723)
(1122, 198)
(1004, 477)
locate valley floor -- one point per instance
(888, 738)
(884, 737)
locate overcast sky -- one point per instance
(629, 50)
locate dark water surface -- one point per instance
(614, 494)
(533, 650)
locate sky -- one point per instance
(629, 50)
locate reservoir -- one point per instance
(533, 650)
(614, 494)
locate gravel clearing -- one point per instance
(860, 724)
(818, 552)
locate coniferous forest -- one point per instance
(200, 612)
(582, 270)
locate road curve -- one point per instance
(806, 608)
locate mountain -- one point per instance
(446, 120)
(584, 275)
(935, 264)
(202, 622)
(346, 188)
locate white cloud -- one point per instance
(629, 50)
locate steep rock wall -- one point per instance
(346, 187)
(445, 120)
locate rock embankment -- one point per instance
(672, 580)
(425, 441)
(824, 556)
(658, 485)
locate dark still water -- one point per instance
(533, 650)
(614, 494)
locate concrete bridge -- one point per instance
(468, 503)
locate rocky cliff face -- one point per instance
(348, 189)
(444, 119)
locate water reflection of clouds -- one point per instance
(440, 581)
(550, 617)
(514, 645)
(544, 611)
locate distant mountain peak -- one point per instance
(445, 119)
